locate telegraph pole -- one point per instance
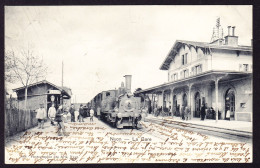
(62, 87)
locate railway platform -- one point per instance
(240, 128)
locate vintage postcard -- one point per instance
(128, 84)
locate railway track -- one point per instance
(241, 136)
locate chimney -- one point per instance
(229, 30)
(233, 30)
(128, 79)
(231, 40)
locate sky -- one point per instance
(100, 44)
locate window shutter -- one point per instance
(240, 67)
(192, 70)
(188, 73)
(176, 76)
(181, 74)
(201, 70)
(251, 67)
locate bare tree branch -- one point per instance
(24, 67)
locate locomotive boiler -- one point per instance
(120, 107)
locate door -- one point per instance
(230, 103)
(197, 104)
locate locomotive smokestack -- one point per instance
(128, 79)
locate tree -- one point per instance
(24, 67)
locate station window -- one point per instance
(245, 67)
(107, 93)
(184, 59)
(198, 69)
(175, 76)
(185, 73)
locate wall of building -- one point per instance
(35, 90)
(204, 91)
(194, 58)
(243, 94)
(219, 60)
(230, 60)
(241, 87)
(33, 103)
(36, 95)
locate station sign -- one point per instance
(54, 92)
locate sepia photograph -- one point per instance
(128, 84)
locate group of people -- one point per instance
(53, 115)
(60, 116)
(163, 111)
(185, 112)
(209, 113)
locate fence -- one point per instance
(18, 120)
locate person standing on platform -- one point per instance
(65, 113)
(186, 113)
(76, 115)
(59, 120)
(72, 113)
(170, 111)
(52, 114)
(98, 113)
(91, 114)
(203, 112)
(81, 113)
(155, 111)
(41, 116)
(182, 112)
(228, 115)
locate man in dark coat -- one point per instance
(59, 121)
(203, 112)
(72, 113)
(81, 113)
(182, 112)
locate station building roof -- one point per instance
(66, 91)
(204, 45)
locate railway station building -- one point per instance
(216, 73)
(43, 92)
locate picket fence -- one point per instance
(17, 120)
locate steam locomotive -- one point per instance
(119, 107)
